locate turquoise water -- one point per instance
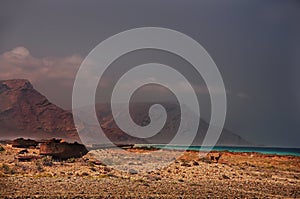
(263, 150)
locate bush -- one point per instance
(7, 170)
(85, 174)
(71, 160)
(47, 161)
(39, 166)
(1, 148)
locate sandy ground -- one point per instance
(236, 175)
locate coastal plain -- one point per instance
(234, 175)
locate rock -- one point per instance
(132, 171)
(214, 157)
(23, 158)
(107, 169)
(112, 175)
(62, 150)
(85, 174)
(93, 169)
(185, 164)
(225, 176)
(23, 151)
(22, 143)
(205, 160)
(195, 163)
(96, 162)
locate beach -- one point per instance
(234, 175)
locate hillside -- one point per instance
(24, 112)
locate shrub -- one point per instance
(39, 166)
(93, 169)
(1, 148)
(71, 160)
(7, 170)
(91, 164)
(85, 174)
(47, 161)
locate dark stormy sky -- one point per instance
(255, 44)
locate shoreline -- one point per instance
(282, 151)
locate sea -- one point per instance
(263, 150)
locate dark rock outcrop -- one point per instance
(59, 149)
(214, 157)
(24, 151)
(24, 143)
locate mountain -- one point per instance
(139, 113)
(24, 112)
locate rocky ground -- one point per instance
(236, 175)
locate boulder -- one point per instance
(59, 149)
(24, 151)
(22, 143)
(214, 157)
(23, 158)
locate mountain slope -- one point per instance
(24, 112)
(139, 114)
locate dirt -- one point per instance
(235, 175)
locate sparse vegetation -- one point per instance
(91, 164)
(6, 169)
(188, 175)
(47, 161)
(43, 175)
(2, 148)
(39, 166)
(93, 169)
(71, 160)
(85, 174)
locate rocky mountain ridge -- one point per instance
(24, 112)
